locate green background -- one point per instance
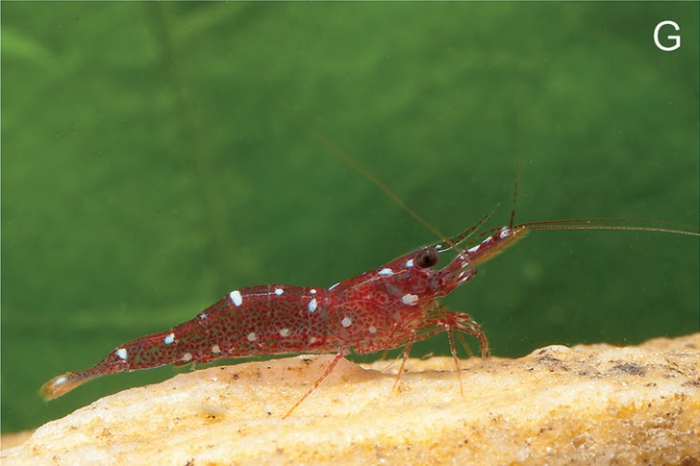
(152, 162)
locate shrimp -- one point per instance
(392, 306)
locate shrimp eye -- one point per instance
(427, 257)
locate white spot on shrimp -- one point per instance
(386, 272)
(312, 305)
(216, 349)
(372, 329)
(252, 336)
(333, 286)
(61, 380)
(346, 322)
(284, 332)
(409, 263)
(121, 353)
(504, 232)
(202, 316)
(169, 339)
(186, 357)
(236, 297)
(279, 291)
(409, 299)
(474, 249)
(312, 291)
(312, 340)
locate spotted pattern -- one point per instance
(277, 319)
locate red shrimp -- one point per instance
(389, 307)
(392, 306)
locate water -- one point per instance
(152, 163)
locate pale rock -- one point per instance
(594, 404)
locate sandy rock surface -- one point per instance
(594, 404)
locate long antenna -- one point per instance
(448, 243)
(354, 163)
(589, 224)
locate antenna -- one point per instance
(354, 163)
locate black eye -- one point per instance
(427, 257)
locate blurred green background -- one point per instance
(152, 163)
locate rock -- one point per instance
(583, 405)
